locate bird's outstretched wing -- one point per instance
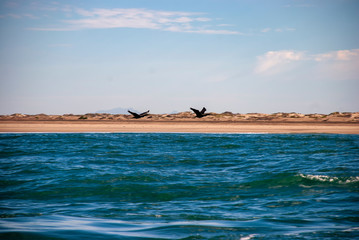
(198, 113)
(144, 113)
(135, 115)
(195, 111)
(203, 110)
(201, 113)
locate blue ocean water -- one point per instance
(179, 186)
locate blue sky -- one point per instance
(243, 56)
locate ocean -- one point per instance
(179, 186)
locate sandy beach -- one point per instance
(178, 126)
(227, 122)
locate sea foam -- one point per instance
(325, 178)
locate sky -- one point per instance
(243, 56)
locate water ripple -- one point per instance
(179, 186)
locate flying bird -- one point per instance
(136, 115)
(201, 113)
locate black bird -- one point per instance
(136, 115)
(201, 113)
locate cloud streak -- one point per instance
(173, 21)
(275, 61)
(342, 55)
(278, 30)
(342, 64)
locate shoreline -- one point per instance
(135, 126)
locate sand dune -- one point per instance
(189, 116)
(346, 123)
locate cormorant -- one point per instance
(201, 113)
(136, 115)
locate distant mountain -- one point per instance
(118, 110)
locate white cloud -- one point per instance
(338, 65)
(342, 55)
(13, 15)
(286, 29)
(266, 30)
(190, 22)
(274, 61)
(18, 16)
(208, 31)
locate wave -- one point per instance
(69, 227)
(292, 180)
(330, 179)
(174, 186)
